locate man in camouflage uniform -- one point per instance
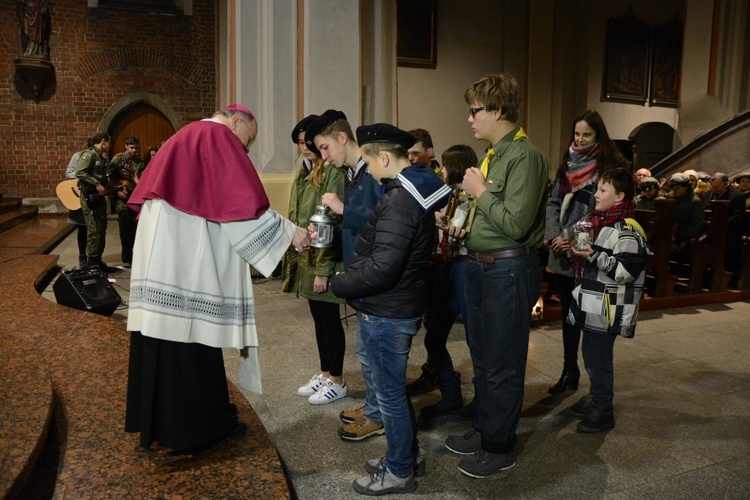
(124, 171)
(92, 182)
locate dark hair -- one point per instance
(609, 156)
(101, 136)
(497, 92)
(132, 141)
(456, 159)
(719, 176)
(147, 155)
(423, 136)
(621, 180)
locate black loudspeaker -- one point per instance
(87, 289)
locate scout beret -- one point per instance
(679, 178)
(649, 181)
(317, 125)
(301, 127)
(385, 133)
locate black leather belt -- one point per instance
(491, 257)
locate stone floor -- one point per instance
(682, 405)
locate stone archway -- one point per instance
(140, 97)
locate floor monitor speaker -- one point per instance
(87, 289)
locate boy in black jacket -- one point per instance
(384, 281)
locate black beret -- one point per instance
(301, 127)
(317, 125)
(383, 132)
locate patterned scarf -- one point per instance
(583, 168)
(600, 219)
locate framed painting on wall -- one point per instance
(666, 63)
(626, 67)
(416, 44)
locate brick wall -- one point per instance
(100, 56)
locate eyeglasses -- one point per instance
(473, 111)
(252, 137)
(648, 188)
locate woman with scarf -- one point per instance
(591, 153)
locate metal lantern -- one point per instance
(323, 227)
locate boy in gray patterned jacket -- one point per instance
(610, 275)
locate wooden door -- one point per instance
(143, 121)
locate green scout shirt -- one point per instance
(92, 167)
(125, 168)
(511, 213)
(299, 270)
(135, 167)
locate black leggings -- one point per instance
(82, 235)
(571, 333)
(330, 336)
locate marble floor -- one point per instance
(682, 407)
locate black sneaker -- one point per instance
(425, 383)
(470, 410)
(483, 463)
(598, 420)
(583, 407)
(467, 444)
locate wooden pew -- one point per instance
(745, 277)
(708, 249)
(658, 227)
(745, 231)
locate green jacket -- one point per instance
(124, 169)
(299, 270)
(92, 167)
(511, 213)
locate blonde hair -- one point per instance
(497, 92)
(315, 177)
(336, 127)
(374, 148)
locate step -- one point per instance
(18, 216)
(9, 204)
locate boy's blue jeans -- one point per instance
(372, 410)
(387, 342)
(598, 354)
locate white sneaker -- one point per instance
(310, 388)
(383, 482)
(328, 393)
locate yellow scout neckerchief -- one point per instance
(491, 152)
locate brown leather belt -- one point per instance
(491, 257)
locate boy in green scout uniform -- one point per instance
(124, 170)
(92, 181)
(503, 272)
